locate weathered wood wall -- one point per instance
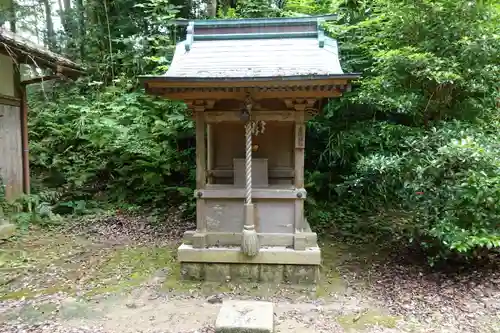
(275, 144)
(7, 74)
(11, 169)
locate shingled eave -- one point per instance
(23, 50)
(317, 87)
(241, 81)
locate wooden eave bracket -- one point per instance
(309, 105)
(299, 104)
(65, 72)
(41, 79)
(59, 75)
(221, 83)
(200, 104)
(237, 92)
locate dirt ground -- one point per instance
(120, 275)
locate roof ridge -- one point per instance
(258, 35)
(254, 21)
(310, 27)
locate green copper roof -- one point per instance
(253, 48)
(256, 21)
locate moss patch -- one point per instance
(365, 320)
(32, 314)
(43, 263)
(73, 308)
(33, 264)
(331, 280)
(39, 263)
(32, 293)
(70, 308)
(127, 267)
(341, 259)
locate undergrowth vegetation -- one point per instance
(421, 133)
(412, 154)
(112, 145)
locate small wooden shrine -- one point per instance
(251, 86)
(16, 51)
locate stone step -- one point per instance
(7, 230)
(245, 317)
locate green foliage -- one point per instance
(29, 209)
(33, 210)
(308, 7)
(250, 9)
(256, 8)
(449, 183)
(412, 154)
(112, 144)
(420, 135)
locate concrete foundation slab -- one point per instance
(245, 317)
(275, 274)
(267, 255)
(273, 264)
(7, 230)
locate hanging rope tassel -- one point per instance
(250, 242)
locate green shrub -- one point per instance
(449, 180)
(420, 133)
(112, 144)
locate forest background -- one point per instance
(411, 155)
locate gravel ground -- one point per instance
(398, 295)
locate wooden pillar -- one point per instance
(300, 133)
(201, 162)
(210, 153)
(24, 142)
(201, 159)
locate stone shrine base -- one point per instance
(271, 265)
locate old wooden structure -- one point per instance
(251, 86)
(15, 51)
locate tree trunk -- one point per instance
(212, 8)
(50, 38)
(62, 15)
(67, 5)
(67, 19)
(81, 27)
(12, 18)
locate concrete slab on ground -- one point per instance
(245, 317)
(7, 230)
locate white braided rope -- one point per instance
(248, 162)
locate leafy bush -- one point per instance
(412, 153)
(28, 209)
(421, 132)
(112, 144)
(450, 184)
